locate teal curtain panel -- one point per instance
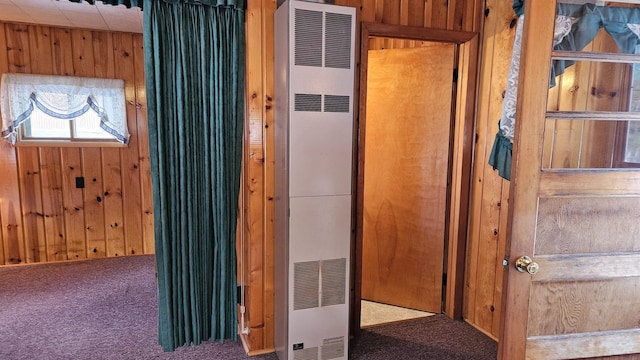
(194, 66)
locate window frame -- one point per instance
(27, 97)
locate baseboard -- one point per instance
(245, 345)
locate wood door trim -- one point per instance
(462, 132)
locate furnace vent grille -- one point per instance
(333, 348)
(336, 103)
(334, 273)
(306, 282)
(308, 102)
(337, 39)
(306, 354)
(308, 38)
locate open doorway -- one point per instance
(406, 174)
(414, 162)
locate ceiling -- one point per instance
(67, 14)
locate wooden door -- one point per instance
(409, 94)
(581, 226)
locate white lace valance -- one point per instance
(62, 97)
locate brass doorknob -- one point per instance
(525, 264)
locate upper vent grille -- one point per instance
(308, 38)
(337, 41)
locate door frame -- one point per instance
(460, 158)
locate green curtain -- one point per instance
(194, 64)
(194, 68)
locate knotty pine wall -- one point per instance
(43, 216)
(486, 242)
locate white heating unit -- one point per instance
(314, 89)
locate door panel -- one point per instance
(409, 94)
(579, 225)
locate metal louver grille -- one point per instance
(306, 281)
(333, 348)
(306, 354)
(337, 40)
(308, 38)
(307, 102)
(336, 103)
(334, 273)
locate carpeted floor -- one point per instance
(433, 337)
(107, 309)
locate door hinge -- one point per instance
(455, 75)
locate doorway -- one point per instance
(417, 90)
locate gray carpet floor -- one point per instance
(107, 309)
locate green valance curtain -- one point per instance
(194, 68)
(576, 25)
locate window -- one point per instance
(631, 129)
(65, 111)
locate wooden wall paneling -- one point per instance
(73, 204)
(17, 48)
(70, 164)
(573, 91)
(567, 133)
(104, 67)
(455, 14)
(105, 58)
(608, 92)
(16, 60)
(62, 222)
(367, 13)
(483, 132)
(12, 236)
(93, 203)
(40, 50)
(487, 186)
(379, 8)
(52, 203)
(491, 203)
(269, 7)
(103, 54)
(113, 204)
(415, 12)
(28, 159)
(474, 16)
(142, 132)
(94, 231)
(499, 267)
(254, 174)
(391, 12)
(130, 158)
(61, 51)
(439, 11)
